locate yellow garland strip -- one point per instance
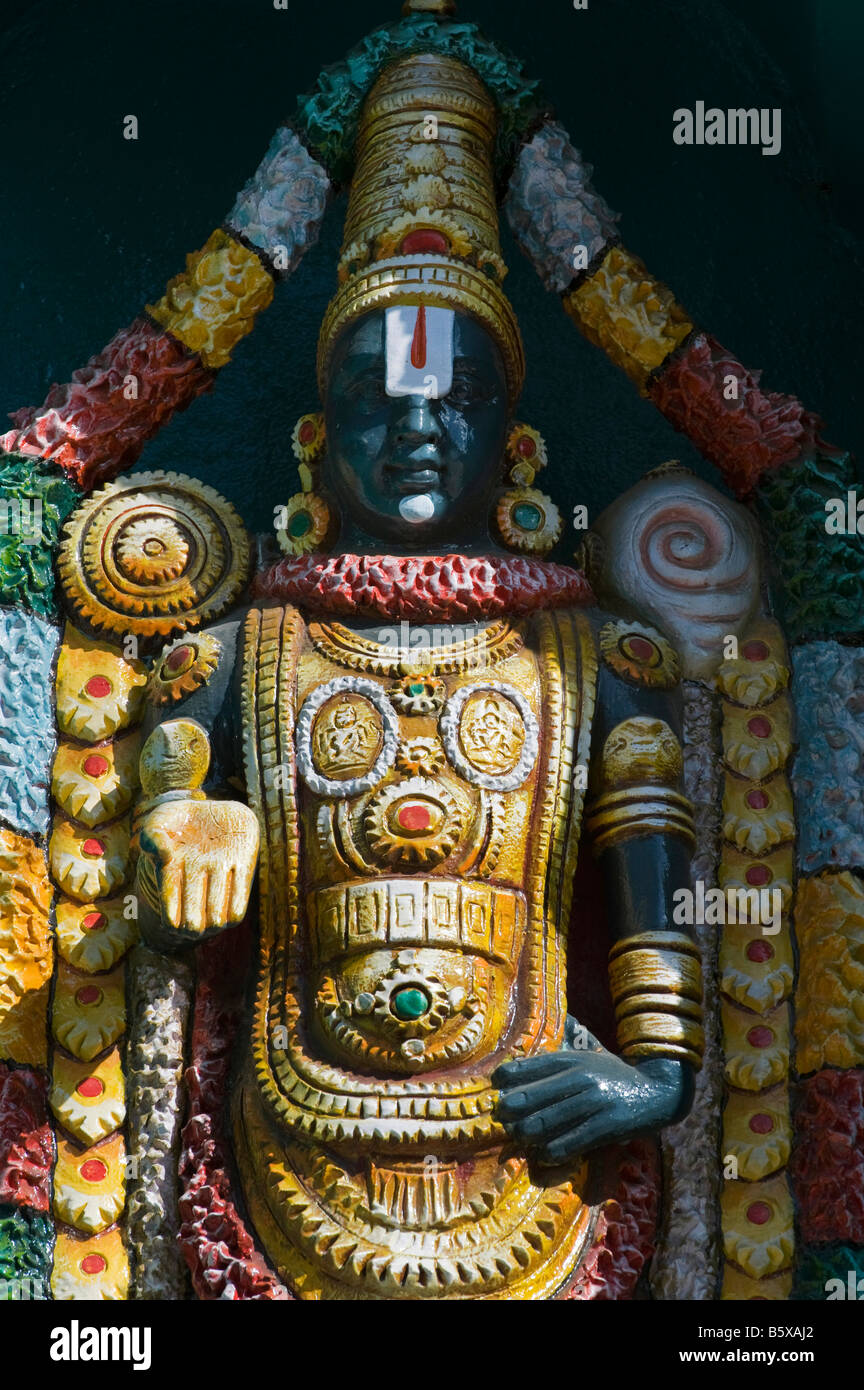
(93, 780)
(213, 304)
(756, 970)
(630, 315)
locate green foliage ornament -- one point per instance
(34, 501)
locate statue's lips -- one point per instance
(413, 475)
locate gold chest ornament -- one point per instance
(420, 820)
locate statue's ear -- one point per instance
(590, 557)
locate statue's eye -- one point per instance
(466, 389)
(369, 392)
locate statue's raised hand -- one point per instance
(196, 857)
(566, 1103)
(196, 862)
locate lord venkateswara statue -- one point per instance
(384, 845)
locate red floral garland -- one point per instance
(423, 589)
(26, 1143)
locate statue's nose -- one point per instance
(417, 423)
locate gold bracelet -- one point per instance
(656, 961)
(656, 984)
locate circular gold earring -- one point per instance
(527, 520)
(306, 522)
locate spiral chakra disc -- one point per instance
(153, 554)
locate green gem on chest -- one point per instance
(409, 1003)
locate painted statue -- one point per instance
(392, 842)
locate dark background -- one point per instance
(764, 252)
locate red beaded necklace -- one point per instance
(423, 588)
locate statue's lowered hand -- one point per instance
(563, 1104)
(196, 863)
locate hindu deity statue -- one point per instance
(415, 1107)
(373, 857)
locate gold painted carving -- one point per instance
(152, 554)
(92, 936)
(759, 976)
(413, 824)
(26, 951)
(88, 1098)
(756, 962)
(488, 647)
(420, 757)
(406, 181)
(755, 745)
(639, 654)
(96, 784)
(185, 665)
(322, 1101)
(98, 691)
(614, 817)
(757, 1132)
(211, 305)
(437, 912)
(656, 984)
(752, 682)
(829, 1027)
(93, 1270)
(630, 315)
(88, 864)
(176, 757)
(347, 737)
(756, 1046)
(89, 1184)
(88, 1014)
(490, 1230)
(197, 861)
(764, 1246)
(492, 733)
(641, 749)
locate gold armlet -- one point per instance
(615, 816)
(640, 767)
(656, 983)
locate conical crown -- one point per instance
(422, 222)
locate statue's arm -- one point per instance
(639, 821)
(196, 841)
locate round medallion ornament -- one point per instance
(346, 737)
(184, 666)
(307, 524)
(528, 520)
(418, 695)
(412, 823)
(153, 554)
(410, 1000)
(639, 654)
(490, 735)
(420, 757)
(309, 440)
(526, 448)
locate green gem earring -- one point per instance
(305, 523)
(526, 519)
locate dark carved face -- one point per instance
(415, 470)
